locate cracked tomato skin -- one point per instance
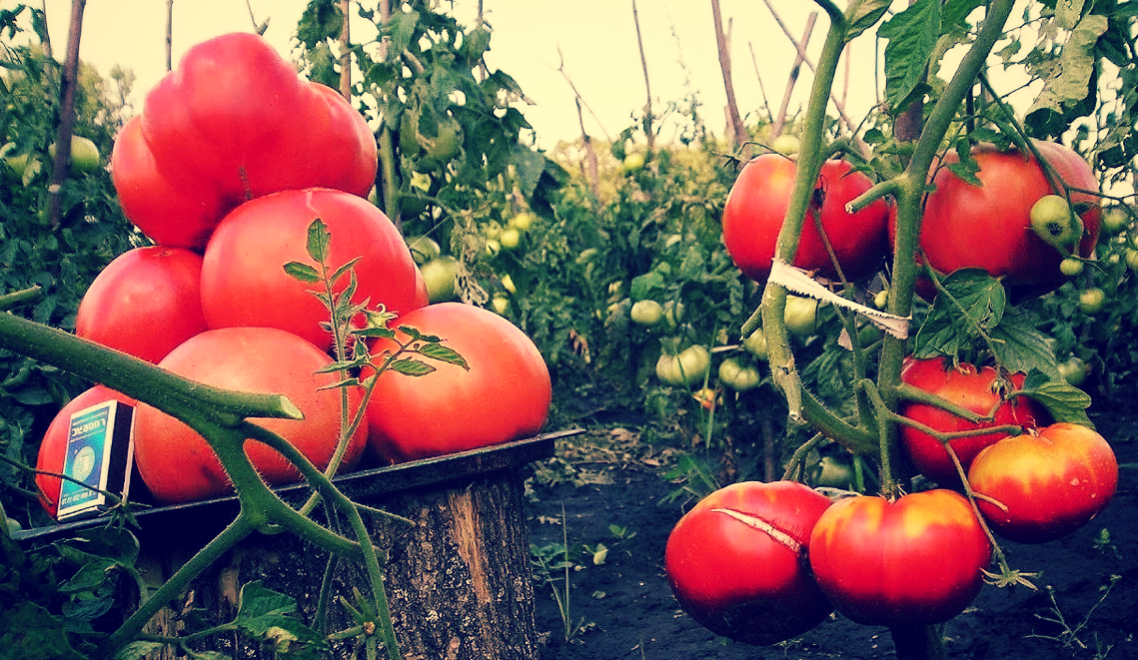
(232, 123)
(145, 302)
(740, 580)
(757, 204)
(1052, 481)
(971, 388)
(916, 560)
(243, 278)
(178, 465)
(989, 226)
(503, 396)
(53, 448)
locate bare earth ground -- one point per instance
(1086, 607)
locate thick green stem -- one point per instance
(138, 379)
(227, 539)
(390, 183)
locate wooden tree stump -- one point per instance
(458, 580)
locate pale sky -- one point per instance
(597, 39)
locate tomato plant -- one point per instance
(915, 560)
(53, 447)
(243, 278)
(502, 394)
(737, 561)
(759, 200)
(145, 302)
(1048, 482)
(234, 122)
(986, 222)
(176, 462)
(977, 390)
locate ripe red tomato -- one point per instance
(145, 302)
(243, 277)
(737, 561)
(977, 390)
(176, 462)
(916, 560)
(757, 205)
(234, 122)
(989, 226)
(1052, 482)
(504, 396)
(53, 448)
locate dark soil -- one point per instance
(623, 608)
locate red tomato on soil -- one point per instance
(176, 462)
(145, 302)
(989, 226)
(1052, 482)
(243, 278)
(757, 205)
(235, 122)
(916, 560)
(737, 561)
(504, 396)
(53, 449)
(976, 390)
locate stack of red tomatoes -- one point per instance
(232, 159)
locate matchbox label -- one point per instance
(99, 456)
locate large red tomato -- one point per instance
(737, 561)
(503, 396)
(1052, 482)
(989, 226)
(243, 278)
(145, 302)
(757, 205)
(234, 122)
(53, 449)
(176, 462)
(916, 560)
(976, 390)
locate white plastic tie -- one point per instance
(799, 282)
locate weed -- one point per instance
(557, 557)
(1069, 636)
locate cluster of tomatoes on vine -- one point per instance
(226, 171)
(764, 562)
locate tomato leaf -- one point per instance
(415, 335)
(318, 239)
(411, 367)
(302, 272)
(1020, 346)
(864, 15)
(266, 614)
(386, 333)
(443, 354)
(974, 304)
(339, 272)
(1064, 401)
(912, 36)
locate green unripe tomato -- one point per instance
(833, 473)
(500, 303)
(522, 221)
(440, 276)
(801, 315)
(423, 249)
(1052, 220)
(881, 299)
(685, 369)
(1074, 371)
(647, 312)
(1114, 220)
(1132, 259)
(633, 162)
(786, 144)
(1091, 300)
(756, 344)
(84, 155)
(673, 313)
(509, 238)
(739, 375)
(1071, 266)
(493, 247)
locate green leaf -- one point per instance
(30, 632)
(339, 272)
(321, 20)
(443, 354)
(411, 367)
(318, 239)
(139, 650)
(1075, 68)
(302, 272)
(864, 15)
(1065, 402)
(974, 303)
(1068, 13)
(1020, 346)
(912, 35)
(401, 29)
(643, 286)
(416, 335)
